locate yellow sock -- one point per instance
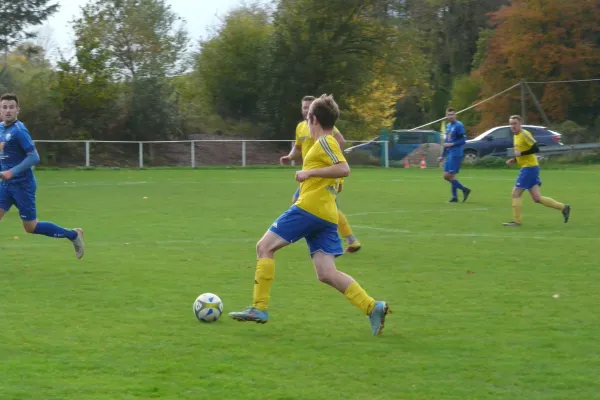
(343, 225)
(265, 272)
(359, 298)
(551, 203)
(517, 205)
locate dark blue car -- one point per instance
(495, 141)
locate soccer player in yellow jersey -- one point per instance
(313, 217)
(303, 144)
(529, 176)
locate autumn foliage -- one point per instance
(543, 40)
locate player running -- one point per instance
(18, 186)
(456, 138)
(313, 217)
(529, 175)
(298, 153)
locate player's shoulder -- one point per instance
(19, 127)
(527, 134)
(328, 141)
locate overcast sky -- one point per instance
(200, 16)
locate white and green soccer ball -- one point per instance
(208, 307)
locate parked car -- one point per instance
(401, 143)
(495, 141)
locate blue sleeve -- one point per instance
(459, 142)
(460, 136)
(32, 159)
(25, 140)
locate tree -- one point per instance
(138, 44)
(230, 66)
(133, 38)
(328, 47)
(544, 41)
(17, 15)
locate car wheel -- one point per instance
(471, 156)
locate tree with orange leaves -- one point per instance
(544, 40)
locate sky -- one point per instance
(200, 16)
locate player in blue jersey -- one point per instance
(456, 138)
(18, 184)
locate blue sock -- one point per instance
(55, 231)
(458, 185)
(453, 189)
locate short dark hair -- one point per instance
(308, 98)
(325, 110)
(450, 109)
(9, 97)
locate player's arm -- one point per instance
(339, 170)
(339, 137)
(533, 147)
(339, 167)
(295, 154)
(460, 137)
(32, 157)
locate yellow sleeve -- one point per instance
(331, 148)
(528, 137)
(298, 142)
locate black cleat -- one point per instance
(566, 212)
(453, 200)
(466, 194)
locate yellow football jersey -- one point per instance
(523, 142)
(317, 195)
(303, 138)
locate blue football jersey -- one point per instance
(15, 143)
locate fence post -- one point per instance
(243, 153)
(386, 153)
(141, 144)
(87, 153)
(193, 153)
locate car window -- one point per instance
(431, 137)
(501, 133)
(537, 131)
(406, 138)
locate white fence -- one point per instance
(232, 152)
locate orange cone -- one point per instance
(406, 164)
(423, 165)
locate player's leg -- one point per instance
(296, 195)
(24, 199)
(324, 246)
(285, 230)
(517, 207)
(537, 197)
(345, 231)
(6, 201)
(451, 169)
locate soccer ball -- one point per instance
(208, 307)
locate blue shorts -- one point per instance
(528, 178)
(452, 165)
(320, 235)
(21, 195)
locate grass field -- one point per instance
(474, 315)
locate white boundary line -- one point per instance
(439, 210)
(473, 234)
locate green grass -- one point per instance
(473, 310)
